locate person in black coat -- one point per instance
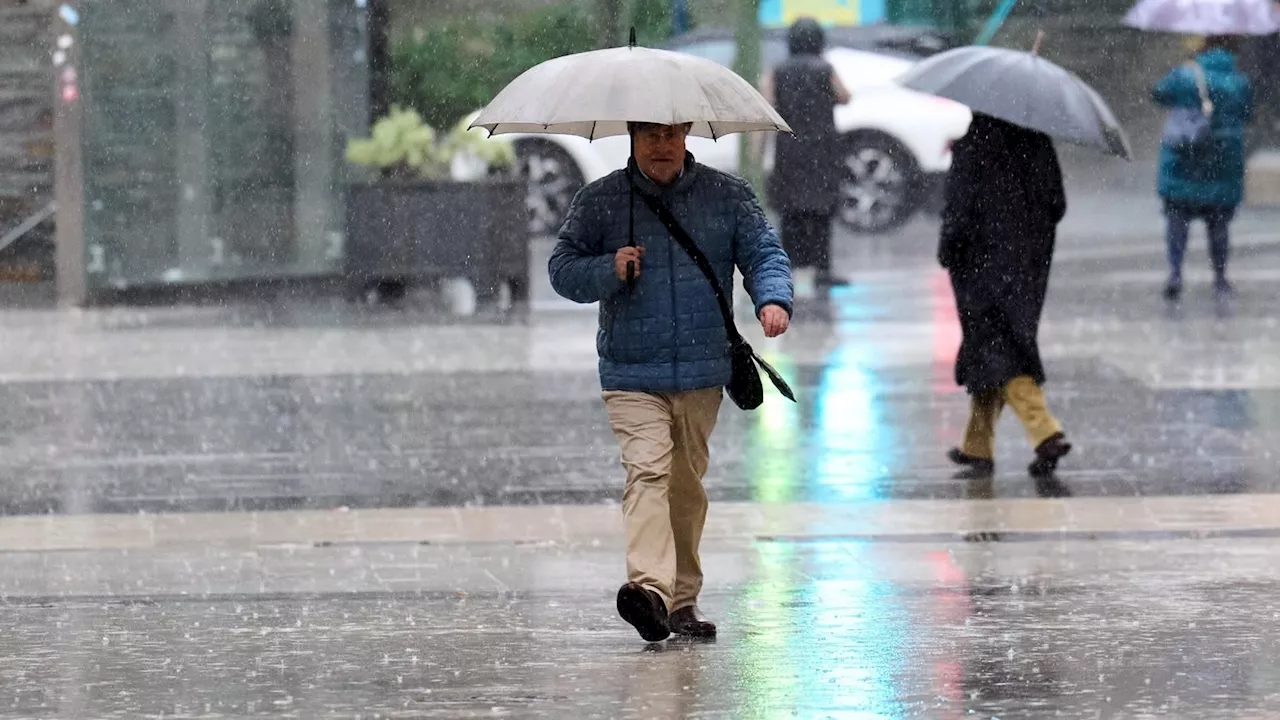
(805, 183)
(1004, 200)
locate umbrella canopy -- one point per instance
(1024, 89)
(1205, 17)
(594, 94)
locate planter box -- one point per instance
(408, 231)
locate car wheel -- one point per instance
(552, 177)
(880, 188)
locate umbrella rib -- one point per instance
(1028, 99)
(710, 125)
(1111, 129)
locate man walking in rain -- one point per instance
(664, 352)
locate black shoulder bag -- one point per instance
(744, 388)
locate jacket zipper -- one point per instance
(608, 346)
(675, 314)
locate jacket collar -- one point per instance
(683, 181)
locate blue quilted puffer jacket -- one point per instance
(667, 334)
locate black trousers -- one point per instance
(1217, 220)
(806, 236)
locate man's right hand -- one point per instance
(624, 256)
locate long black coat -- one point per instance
(807, 166)
(1004, 201)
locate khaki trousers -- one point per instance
(663, 438)
(1028, 403)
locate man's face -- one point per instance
(660, 151)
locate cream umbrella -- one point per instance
(595, 94)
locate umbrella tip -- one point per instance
(631, 42)
(1035, 47)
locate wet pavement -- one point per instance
(858, 434)
(307, 509)
(810, 627)
(305, 403)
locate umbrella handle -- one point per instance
(631, 204)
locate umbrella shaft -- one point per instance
(995, 22)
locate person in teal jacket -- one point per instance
(1205, 184)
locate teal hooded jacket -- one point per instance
(1214, 177)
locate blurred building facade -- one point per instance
(195, 140)
(203, 139)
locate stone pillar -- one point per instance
(748, 64)
(191, 50)
(72, 268)
(313, 133)
(379, 58)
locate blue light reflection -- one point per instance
(852, 441)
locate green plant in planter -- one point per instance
(402, 146)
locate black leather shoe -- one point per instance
(978, 466)
(1048, 454)
(691, 622)
(644, 609)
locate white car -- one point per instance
(896, 142)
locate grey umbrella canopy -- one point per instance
(1024, 89)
